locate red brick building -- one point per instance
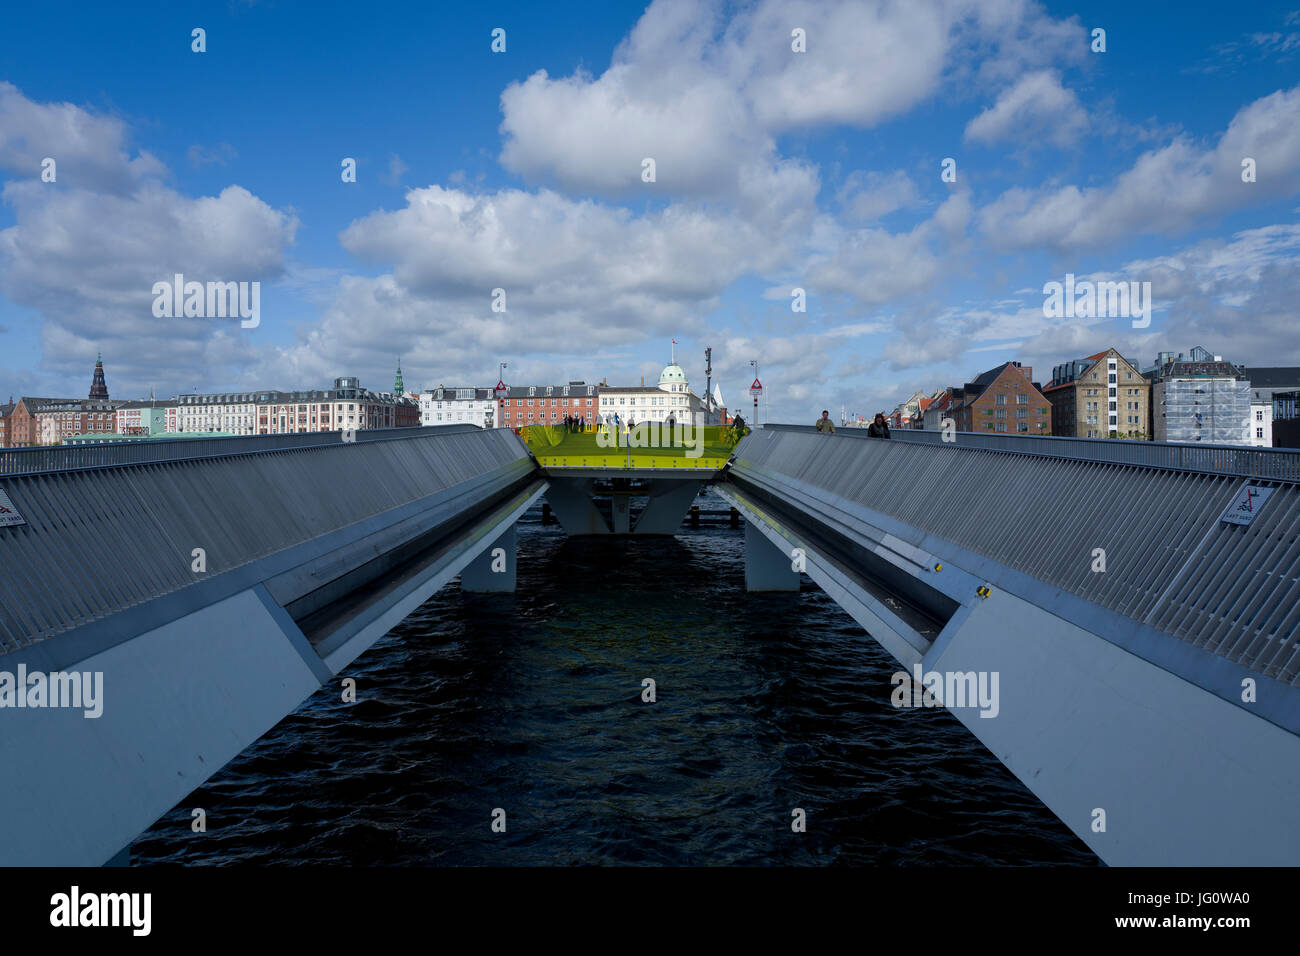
(547, 404)
(1003, 399)
(23, 427)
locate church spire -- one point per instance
(98, 388)
(398, 390)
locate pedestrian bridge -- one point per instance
(1139, 603)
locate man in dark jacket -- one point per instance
(879, 428)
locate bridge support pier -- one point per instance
(767, 567)
(570, 499)
(494, 569)
(620, 503)
(669, 500)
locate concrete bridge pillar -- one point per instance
(767, 567)
(668, 502)
(621, 511)
(570, 499)
(494, 569)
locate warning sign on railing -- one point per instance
(9, 515)
(1247, 504)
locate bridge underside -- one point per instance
(625, 501)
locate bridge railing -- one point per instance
(1176, 562)
(38, 459)
(97, 539)
(1274, 463)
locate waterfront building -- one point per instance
(1261, 423)
(233, 413)
(345, 406)
(145, 418)
(652, 403)
(23, 429)
(1199, 397)
(6, 411)
(1101, 396)
(939, 408)
(1003, 399)
(1267, 381)
(458, 406)
(547, 404)
(1286, 419)
(910, 413)
(59, 419)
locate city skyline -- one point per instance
(1069, 160)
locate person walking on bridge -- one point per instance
(879, 428)
(824, 424)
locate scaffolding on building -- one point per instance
(1212, 410)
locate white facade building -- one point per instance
(458, 406)
(233, 413)
(1261, 424)
(652, 403)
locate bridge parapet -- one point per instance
(1153, 520)
(1138, 608)
(110, 527)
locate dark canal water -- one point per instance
(532, 703)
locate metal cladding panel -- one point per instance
(1170, 561)
(178, 447)
(1252, 462)
(100, 540)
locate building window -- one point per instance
(1022, 399)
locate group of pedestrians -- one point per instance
(575, 425)
(879, 427)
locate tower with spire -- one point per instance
(398, 390)
(98, 388)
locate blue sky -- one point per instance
(521, 170)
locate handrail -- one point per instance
(49, 458)
(1250, 462)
